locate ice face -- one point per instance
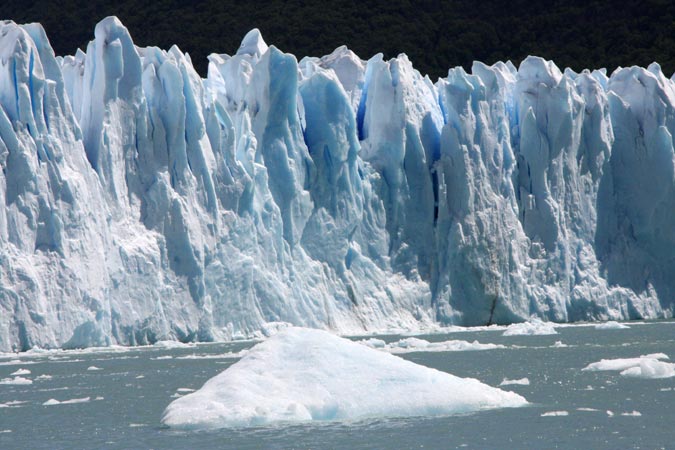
(143, 203)
(305, 375)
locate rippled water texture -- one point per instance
(127, 390)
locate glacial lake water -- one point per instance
(128, 390)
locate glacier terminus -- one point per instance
(140, 202)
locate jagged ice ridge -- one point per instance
(140, 202)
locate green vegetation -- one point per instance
(435, 34)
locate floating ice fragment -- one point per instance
(413, 344)
(555, 414)
(611, 325)
(16, 381)
(52, 401)
(93, 368)
(532, 328)
(21, 372)
(632, 414)
(302, 375)
(373, 343)
(645, 366)
(173, 344)
(521, 381)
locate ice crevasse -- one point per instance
(140, 202)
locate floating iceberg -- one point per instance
(141, 203)
(611, 325)
(303, 375)
(646, 366)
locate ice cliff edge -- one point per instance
(140, 202)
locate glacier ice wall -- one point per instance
(141, 202)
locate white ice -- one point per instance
(532, 328)
(411, 344)
(52, 402)
(555, 414)
(16, 381)
(520, 381)
(611, 325)
(646, 366)
(21, 372)
(303, 375)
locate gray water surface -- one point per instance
(133, 386)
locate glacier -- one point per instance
(142, 203)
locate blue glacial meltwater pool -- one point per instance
(115, 398)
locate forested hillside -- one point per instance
(435, 34)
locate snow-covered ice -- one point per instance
(93, 368)
(21, 372)
(646, 366)
(303, 375)
(142, 203)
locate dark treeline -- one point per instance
(435, 34)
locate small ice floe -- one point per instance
(227, 355)
(611, 325)
(412, 344)
(632, 414)
(93, 368)
(184, 390)
(610, 413)
(137, 425)
(21, 372)
(43, 377)
(5, 431)
(13, 404)
(533, 328)
(559, 344)
(52, 401)
(17, 381)
(645, 366)
(555, 414)
(521, 382)
(159, 358)
(588, 409)
(140, 377)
